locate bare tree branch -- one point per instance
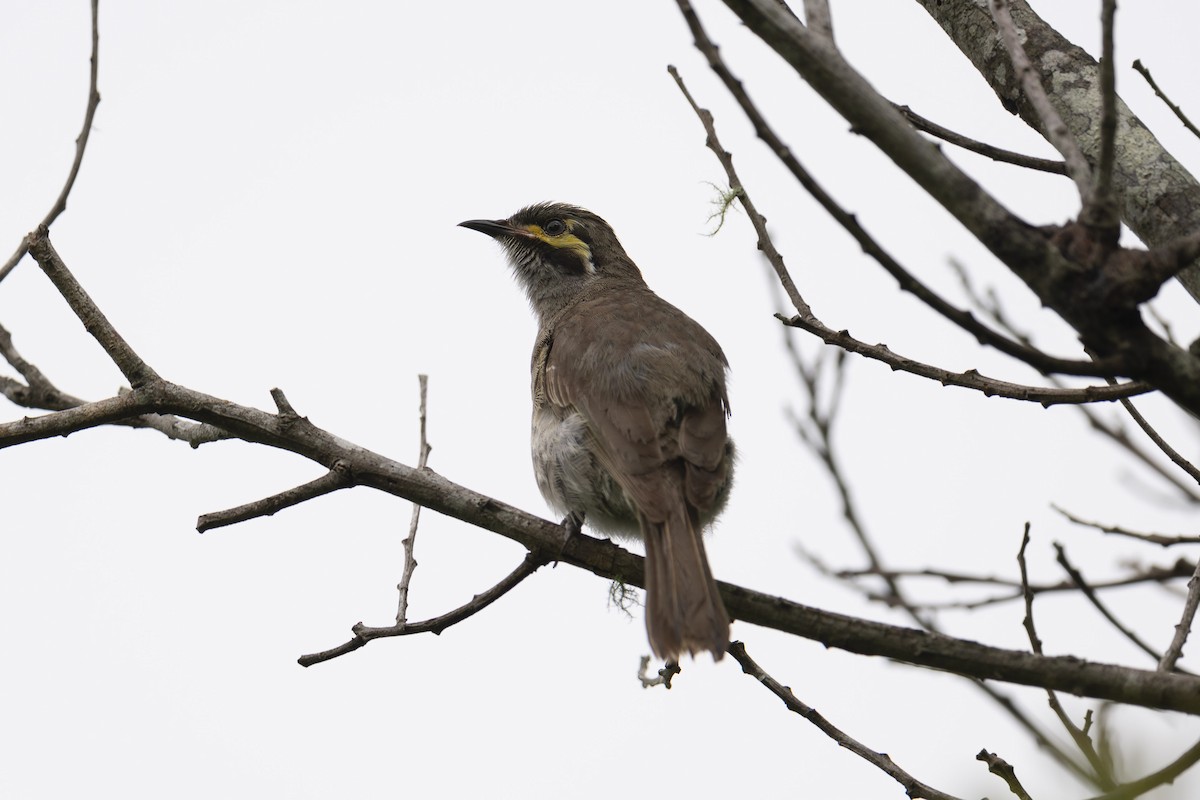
(912, 787)
(136, 371)
(89, 114)
(1162, 777)
(1031, 83)
(994, 310)
(816, 17)
(1176, 458)
(1041, 361)
(1176, 110)
(1002, 769)
(663, 677)
(296, 434)
(1148, 175)
(1152, 538)
(1095, 289)
(1101, 773)
(364, 634)
(808, 321)
(983, 149)
(338, 477)
(410, 561)
(1100, 207)
(1090, 594)
(1174, 651)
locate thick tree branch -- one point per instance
(1158, 199)
(1041, 361)
(817, 18)
(1084, 282)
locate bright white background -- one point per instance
(270, 199)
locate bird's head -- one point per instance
(558, 251)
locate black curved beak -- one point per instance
(492, 227)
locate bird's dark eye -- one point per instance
(555, 227)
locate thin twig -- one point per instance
(820, 441)
(1145, 73)
(1100, 209)
(989, 304)
(1101, 775)
(1034, 641)
(970, 379)
(1162, 777)
(983, 149)
(1094, 599)
(1175, 650)
(1176, 457)
(410, 561)
(338, 477)
(663, 677)
(1055, 129)
(1182, 568)
(912, 787)
(363, 633)
(1152, 538)
(89, 114)
(1002, 769)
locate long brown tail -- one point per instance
(684, 612)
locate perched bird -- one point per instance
(629, 410)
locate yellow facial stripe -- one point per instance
(567, 241)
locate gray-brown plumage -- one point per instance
(629, 409)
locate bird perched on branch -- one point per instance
(629, 409)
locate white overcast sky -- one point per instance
(270, 198)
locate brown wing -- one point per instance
(650, 382)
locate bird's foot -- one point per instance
(572, 525)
